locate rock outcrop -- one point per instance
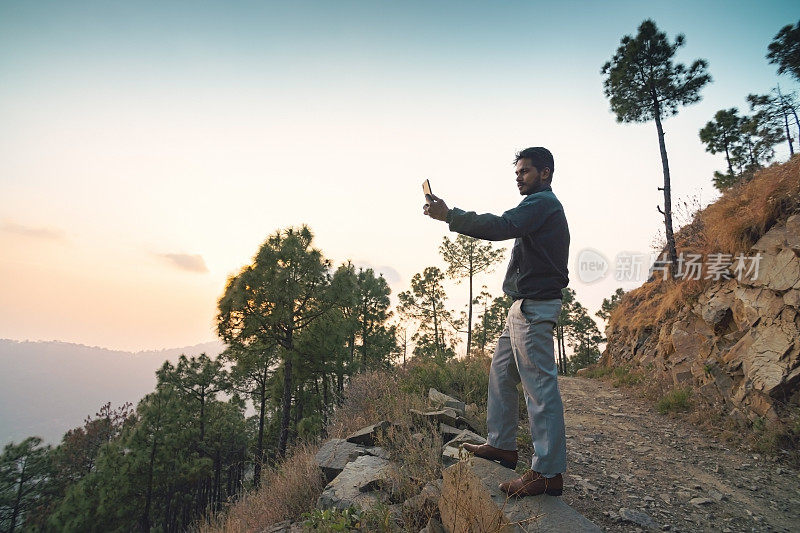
(360, 475)
(739, 344)
(471, 502)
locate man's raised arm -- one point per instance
(519, 221)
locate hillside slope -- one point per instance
(734, 339)
(47, 388)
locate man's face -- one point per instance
(528, 178)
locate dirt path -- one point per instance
(623, 454)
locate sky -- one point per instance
(147, 149)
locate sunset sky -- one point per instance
(147, 149)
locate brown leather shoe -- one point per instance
(507, 458)
(532, 484)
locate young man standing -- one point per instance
(536, 274)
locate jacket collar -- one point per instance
(541, 188)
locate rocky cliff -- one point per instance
(734, 341)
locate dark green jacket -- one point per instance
(538, 265)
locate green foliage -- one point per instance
(465, 258)
(625, 376)
(466, 379)
(272, 301)
(376, 340)
(294, 333)
(426, 303)
(609, 304)
(676, 400)
(725, 181)
(182, 453)
(491, 320)
(332, 520)
(598, 371)
(784, 50)
(643, 84)
(24, 472)
(724, 134)
(774, 110)
(579, 331)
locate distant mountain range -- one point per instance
(47, 388)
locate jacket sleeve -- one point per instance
(519, 221)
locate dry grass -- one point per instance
(730, 225)
(287, 492)
(371, 397)
(748, 210)
(415, 446)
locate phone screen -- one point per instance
(426, 188)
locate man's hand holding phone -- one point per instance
(434, 206)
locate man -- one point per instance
(536, 274)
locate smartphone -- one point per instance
(426, 189)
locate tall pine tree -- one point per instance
(643, 84)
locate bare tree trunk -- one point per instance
(149, 492)
(728, 159)
(286, 401)
(667, 212)
(469, 319)
(435, 329)
(260, 443)
(18, 501)
(785, 121)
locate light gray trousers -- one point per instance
(524, 353)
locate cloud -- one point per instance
(192, 263)
(391, 275)
(30, 231)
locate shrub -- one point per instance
(674, 401)
(466, 379)
(331, 520)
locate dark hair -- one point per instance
(539, 157)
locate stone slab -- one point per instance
(471, 502)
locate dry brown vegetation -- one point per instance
(287, 491)
(731, 225)
(293, 487)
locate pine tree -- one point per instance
(24, 470)
(584, 338)
(252, 368)
(491, 320)
(643, 84)
(609, 304)
(723, 134)
(466, 257)
(377, 340)
(784, 50)
(774, 110)
(426, 303)
(272, 300)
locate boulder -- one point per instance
(448, 432)
(451, 455)
(426, 503)
(466, 436)
(367, 435)
(445, 416)
(440, 399)
(472, 502)
(356, 485)
(334, 455)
